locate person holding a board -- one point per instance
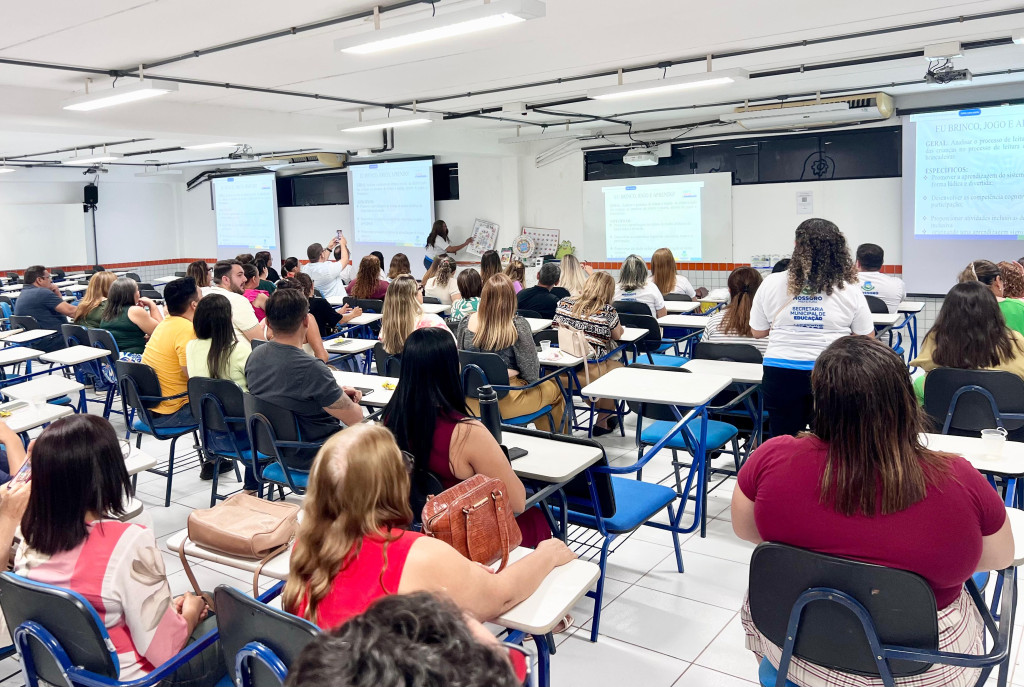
(438, 243)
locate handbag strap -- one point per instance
(192, 578)
(503, 537)
(259, 568)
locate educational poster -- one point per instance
(506, 256)
(485, 235)
(545, 242)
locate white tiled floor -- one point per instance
(660, 628)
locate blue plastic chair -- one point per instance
(62, 639)
(483, 369)
(860, 618)
(217, 405)
(274, 434)
(104, 340)
(655, 345)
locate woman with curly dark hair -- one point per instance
(802, 311)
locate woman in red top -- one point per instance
(862, 486)
(368, 284)
(353, 547)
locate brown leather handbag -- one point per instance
(475, 519)
(243, 526)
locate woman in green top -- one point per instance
(129, 318)
(265, 284)
(988, 274)
(470, 285)
(215, 352)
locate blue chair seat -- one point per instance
(635, 503)
(274, 473)
(767, 674)
(662, 359)
(62, 401)
(139, 426)
(527, 419)
(719, 433)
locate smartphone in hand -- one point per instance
(23, 475)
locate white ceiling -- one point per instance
(577, 37)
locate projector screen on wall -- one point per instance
(246, 211)
(963, 192)
(689, 214)
(392, 202)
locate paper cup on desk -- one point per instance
(992, 441)
(545, 346)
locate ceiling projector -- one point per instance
(641, 157)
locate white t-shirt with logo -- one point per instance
(805, 326)
(890, 289)
(649, 294)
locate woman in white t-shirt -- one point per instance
(663, 275)
(633, 286)
(802, 311)
(438, 243)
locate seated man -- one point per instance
(280, 372)
(43, 301)
(543, 298)
(228, 281)
(891, 290)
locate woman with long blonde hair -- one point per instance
(592, 313)
(90, 308)
(354, 546)
(574, 274)
(403, 314)
(442, 285)
(496, 328)
(663, 275)
(200, 271)
(516, 271)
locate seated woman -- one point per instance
(593, 314)
(403, 314)
(263, 269)
(326, 315)
(290, 267)
(353, 545)
(314, 344)
(251, 290)
(442, 284)
(732, 325)
(633, 286)
(516, 271)
(469, 289)
(1012, 274)
(664, 276)
(970, 334)
(73, 539)
(215, 352)
(490, 265)
(368, 283)
(429, 419)
(94, 302)
(399, 265)
(988, 274)
(129, 318)
(495, 328)
(862, 486)
(200, 272)
(574, 274)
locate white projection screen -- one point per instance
(245, 208)
(690, 213)
(392, 203)
(963, 193)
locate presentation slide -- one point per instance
(642, 219)
(392, 202)
(246, 213)
(963, 192)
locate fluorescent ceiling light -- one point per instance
(780, 113)
(488, 16)
(390, 122)
(140, 89)
(1018, 36)
(204, 146)
(671, 85)
(93, 159)
(7, 170)
(552, 135)
(158, 172)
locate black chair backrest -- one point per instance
(529, 313)
(58, 274)
(678, 297)
(68, 617)
(876, 305)
(277, 424)
(226, 394)
(973, 411)
(98, 268)
(494, 372)
(546, 335)
(242, 619)
(133, 276)
(75, 334)
(7, 300)
(901, 605)
(136, 380)
(631, 308)
(652, 340)
(25, 322)
(102, 338)
(732, 352)
(150, 293)
(145, 286)
(367, 304)
(13, 278)
(177, 274)
(387, 365)
(432, 300)
(655, 411)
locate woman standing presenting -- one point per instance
(438, 243)
(802, 311)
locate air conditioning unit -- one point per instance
(304, 161)
(801, 114)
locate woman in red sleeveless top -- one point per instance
(429, 418)
(353, 546)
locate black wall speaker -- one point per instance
(91, 195)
